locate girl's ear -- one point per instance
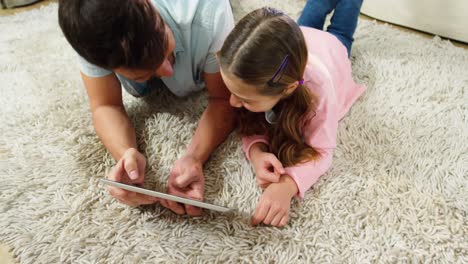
(291, 88)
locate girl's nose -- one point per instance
(235, 102)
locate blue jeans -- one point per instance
(139, 89)
(344, 20)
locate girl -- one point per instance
(292, 85)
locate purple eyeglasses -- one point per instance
(279, 73)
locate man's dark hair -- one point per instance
(114, 33)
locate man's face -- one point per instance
(164, 70)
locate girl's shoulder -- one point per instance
(320, 82)
(317, 76)
(324, 45)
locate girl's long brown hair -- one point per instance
(253, 52)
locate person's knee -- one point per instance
(359, 2)
(355, 3)
(314, 13)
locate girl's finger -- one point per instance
(284, 220)
(277, 166)
(270, 216)
(260, 213)
(276, 221)
(269, 176)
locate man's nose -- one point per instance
(165, 69)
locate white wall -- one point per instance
(447, 18)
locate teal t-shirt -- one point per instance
(200, 28)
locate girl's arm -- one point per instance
(253, 142)
(320, 134)
(274, 204)
(307, 174)
(266, 165)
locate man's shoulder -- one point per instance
(210, 12)
(189, 13)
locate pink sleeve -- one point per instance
(307, 174)
(247, 143)
(319, 133)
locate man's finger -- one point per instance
(144, 199)
(126, 202)
(131, 167)
(164, 203)
(184, 180)
(176, 207)
(116, 192)
(116, 172)
(195, 193)
(192, 210)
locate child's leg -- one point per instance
(314, 13)
(344, 21)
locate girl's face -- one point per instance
(247, 96)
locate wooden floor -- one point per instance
(5, 257)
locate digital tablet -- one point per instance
(166, 196)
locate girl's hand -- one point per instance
(267, 167)
(275, 202)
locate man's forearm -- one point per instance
(214, 126)
(115, 129)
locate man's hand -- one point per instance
(217, 121)
(130, 169)
(186, 180)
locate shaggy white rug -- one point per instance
(397, 192)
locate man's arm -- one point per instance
(110, 119)
(116, 131)
(217, 120)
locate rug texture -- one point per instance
(397, 191)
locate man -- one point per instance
(143, 45)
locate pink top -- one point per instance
(328, 76)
